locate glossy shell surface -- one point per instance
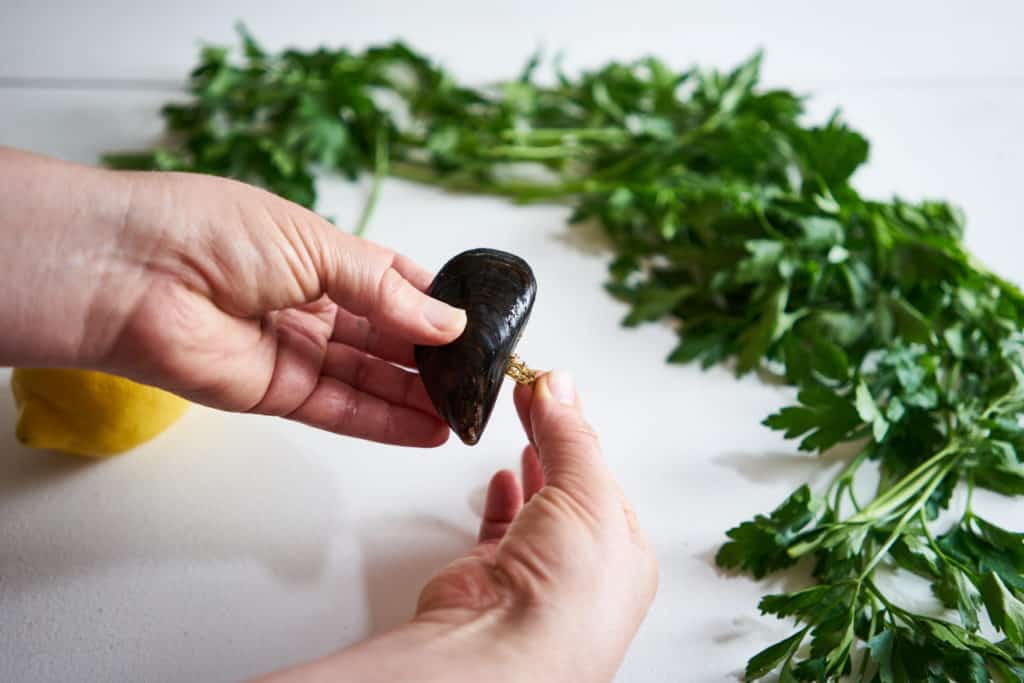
(463, 379)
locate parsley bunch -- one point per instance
(738, 223)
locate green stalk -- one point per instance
(844, 479)
(380, 170)
(519, 191)
(526, 153)
(922, 498)
(902, 490)
(549, 135)
(879, 508)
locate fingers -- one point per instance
(570, 454)
(357, 332)
(262, 253)
(340, 408)
(386, 288)
(523, 398)
(418, 276)
(504, 500)
(533, 475)
(376, 377)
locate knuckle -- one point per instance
(389, 290)
(577, 437)
(566, 499)
(351, 276)
(588, 434)
(371, 336)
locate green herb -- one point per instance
(732, 217)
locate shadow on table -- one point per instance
(192, 495)
(741, 627)
(766, 468)
(788, 580)
(796, 467)
(400, 557)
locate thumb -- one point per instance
(387, 289)
(569, 450)
(290, 256)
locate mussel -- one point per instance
(463, 378)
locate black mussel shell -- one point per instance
(496, 289)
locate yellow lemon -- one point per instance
(89, 413)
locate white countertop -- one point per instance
(233, 545)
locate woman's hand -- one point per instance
(243, 301)
(554, 591)
(217, 291)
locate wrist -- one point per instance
(61, 230)
(483, 648)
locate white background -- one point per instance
(234, 545)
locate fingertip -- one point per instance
(525, 391)
(559, 386)
(440, 436)
(503, 482)
(448, 322)
(554, 397)
(568, 447)
(522, 397)
(504, 500)
(523, 394)
(389, 291)
(420, 430)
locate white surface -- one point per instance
(233, 545)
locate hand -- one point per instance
(554, 591)
(561, 558)
(220, 292)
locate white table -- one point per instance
(233, 545)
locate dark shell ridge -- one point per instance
(463, 379)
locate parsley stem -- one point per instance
(620, 167)
(526, 153)
(968, 511)
(518, 191)
(936, 548)
(865, 659)
(922, 498)
(380, 169)
(542, 135)
(844, 480)
(893, 609)
(904, 489)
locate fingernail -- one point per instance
(444, 317)
(561, 387)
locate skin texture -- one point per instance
(240, 300)
(555, 589)
(217, 291)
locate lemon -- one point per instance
(89, 413)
